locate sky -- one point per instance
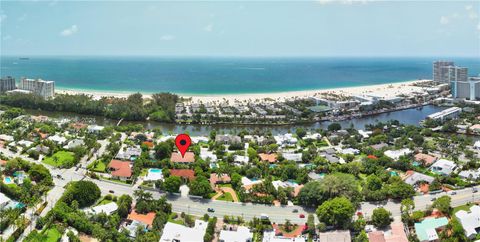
(264, 28)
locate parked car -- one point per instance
(301, 215)
(210, 210)
(111, 191)
(295, 211)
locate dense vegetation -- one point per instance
(161, 107)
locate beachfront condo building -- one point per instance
(7, 84)
(46, 89)
(467, 89)
(440, 71)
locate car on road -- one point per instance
(111, 191)
(453, 193)
(301, 215)
(474, 190)
(433, 199)
(264, 216)
(295, 211)
(210, 210)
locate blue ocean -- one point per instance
(221, 75)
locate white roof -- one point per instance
(5, 137)
(469, 220)
(416, 177)
(153, 176)
(57, 139)
(313, 136)
(292, 156)
(25, 143)
(108, 208)
(246, 181)
(241, 159)
(283, 184)
(176, 232)
(477, 144)
(196, 139)
(395, 154)
(242, 234)
(443, 166)
(349, 151)
(95, 127)
(4, 199)
(205, 154)
(470, 174)
(270, 237)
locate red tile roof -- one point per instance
(214, 178)
(177, 157)
(425, 159)
(120, 168)
(268, 157)
(144, 218)
(185, 173)
(3, 162)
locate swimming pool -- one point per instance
(154, 170)
(7, 180)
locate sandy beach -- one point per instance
(386, 90)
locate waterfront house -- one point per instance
(176, 232)
(241, 234)
(121, 170)
(427, 230)
(443, 167)
(205, 154)
(187, 174)
(285, 139)
(188, 158)
(470, 221)
(227, 139)
(95, 128)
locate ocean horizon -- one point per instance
(221, 75)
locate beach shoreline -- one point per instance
(387, 90)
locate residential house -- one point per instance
(6, 138)
(270, 236)
(205, 154)
(470, 174)
(335, 236)
(173, 232)
(135, 220)
(120, 169)
(219, 178)
(427, 230)
(242, 234)
(379, 146)
(74, 144)
(414, 178)
(443, 167)
(396, 234)
(475, 129)
(272, 158)
(188, 158)
(249, 183)
(470, 221)
(108, 209)
(187, 174)
(228, 139)
(4, 200)
(297, 157)
(285, 139)
(425, 159)
(242, 159)
(59, 140)
(395, 154)
(94, 128)
(129, 153)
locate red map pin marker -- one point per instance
(182, 142)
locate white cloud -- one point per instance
(444, 20)
(69, 31)
(208, 28)
(468, 7)
(167, 37)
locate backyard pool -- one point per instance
(7, 180)
(154, 170)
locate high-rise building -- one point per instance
(7, 84)
(440, 74)
(467, 89)
(46, 89)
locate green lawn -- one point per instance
(177, 220)
(225, 197)
(225, 185)
(53, 235)
(99, 167)
(463, 207)
(60, 158)
(104, 201)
